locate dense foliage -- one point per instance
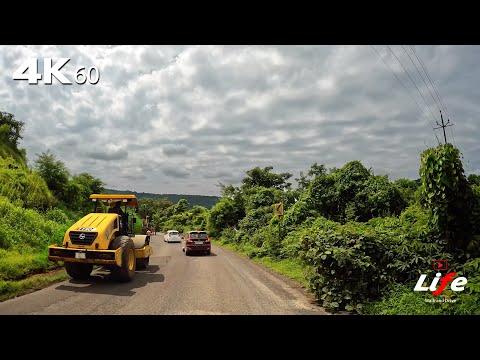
(22, 186)
(37, 205)
(362, 238)
(10, 133)
(71, 192)
(446, 194)
(163, 215)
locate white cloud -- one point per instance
(179, 119)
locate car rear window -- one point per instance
(173, 232)
(194, 235)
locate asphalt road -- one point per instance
(222, 283)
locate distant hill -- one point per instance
(202, 200)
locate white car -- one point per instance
(172, 236)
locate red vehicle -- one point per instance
(197, 241)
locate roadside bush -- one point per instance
(297, 214)
(267, 241)
(415, 219)
(448, 195)
(356, 236)
(255, 220)
(407, 189)
(58, 216)
(241, 237)
(26, 228)
(264, 235)
(474, 245)
(228, 235)
(311, 228)
(379, 198)
(349, 265)
(225, 213)
(400, 299)
(469, 300)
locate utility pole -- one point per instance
(443, 126)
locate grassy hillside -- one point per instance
(23, 186)
(201, 200)
(7, 152)
(28, 224)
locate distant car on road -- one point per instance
(197, 241)
(171, 236)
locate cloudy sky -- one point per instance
(179, 119)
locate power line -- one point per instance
(438, 95)
(394, 73)
(419, 73)
(430, 79)
(411, 80)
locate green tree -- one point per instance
(54, 172)
(224, 214)
(260, 196)
(229, 191)
(448, 195)
(474, 179)
(93, 184)
(150, 206)
(351, 193)
(181, 206)
(266, 178)
(74, 195)
(79, 189)
(315, 170)
(10, 129)
(407, 188)
(10, 133)
(350, 180)
(379, 198)
(321, 196)
(198, 217)
(234, 193)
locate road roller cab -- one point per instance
(104, 237)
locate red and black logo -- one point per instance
(440, 265)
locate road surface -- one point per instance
(222, 283)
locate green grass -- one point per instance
(11, 289)
(402, 300)
(291, 268)
(7, 152)
(17, 266)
